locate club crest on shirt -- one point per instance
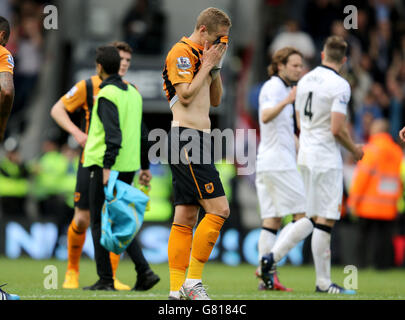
(183, 63)
(10, 61)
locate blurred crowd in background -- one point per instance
(376, 55)
(26, 45)
(375, 70)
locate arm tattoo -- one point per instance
(6, 81)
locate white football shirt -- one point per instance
(319, 93)
(277, 145)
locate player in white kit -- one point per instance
(279, 185)
(322, 98)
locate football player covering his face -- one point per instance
(193, 84)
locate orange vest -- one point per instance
(376, 185)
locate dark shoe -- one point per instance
(268, 269)
(100, 285)
(146, 281)
(275, 283)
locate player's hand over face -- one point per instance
(402, 134)
(358, 154)
(212, 55)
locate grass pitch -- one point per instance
(26, 277)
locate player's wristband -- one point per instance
(215, 71)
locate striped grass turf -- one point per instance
(26, 278)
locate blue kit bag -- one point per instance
(122, 214)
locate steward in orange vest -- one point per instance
(376, 185)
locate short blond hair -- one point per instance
(212, 18)
(335, 49)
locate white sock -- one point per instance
(322, 257)
(266, 242)
(298, 231)
(283, 233)
(191, 282)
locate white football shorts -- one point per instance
(280, 193)
(324, 192)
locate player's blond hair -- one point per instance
(281, 56)
(212, 18)
(335, 49)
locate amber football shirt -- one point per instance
(76, 99)
(182, 64)
(6, 61)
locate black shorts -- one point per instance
(192, 164)
(82, 188)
